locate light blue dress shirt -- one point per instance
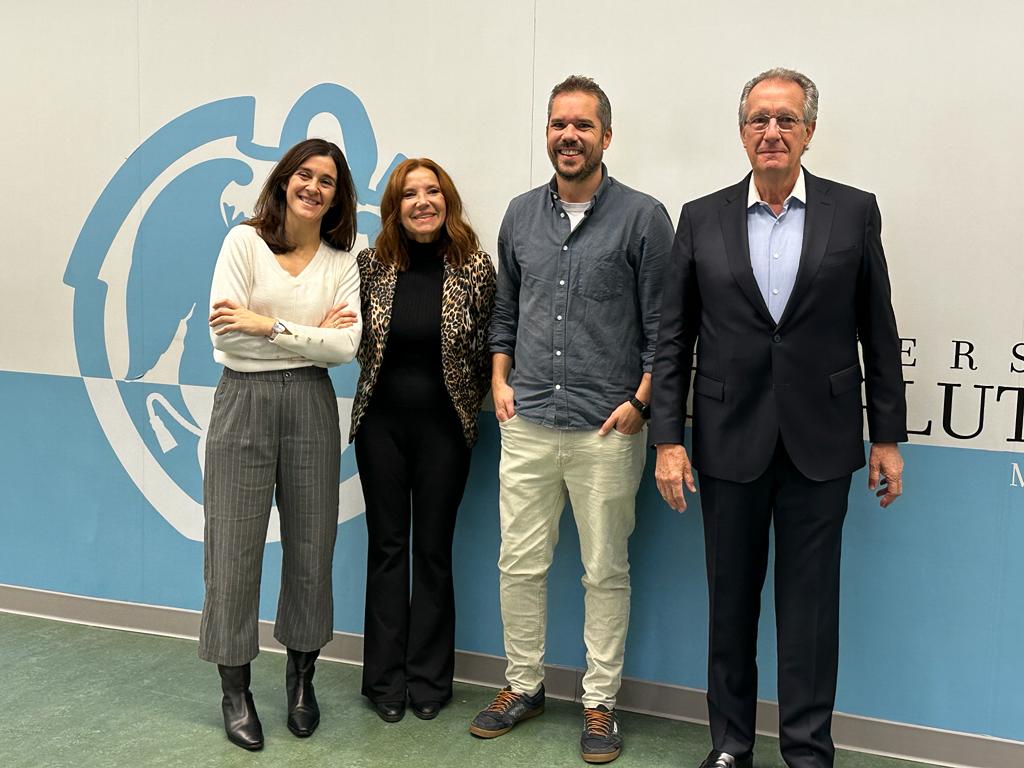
(775, 243)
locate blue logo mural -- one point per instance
(141, 271)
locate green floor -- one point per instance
(75, 697)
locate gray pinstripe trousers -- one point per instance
(270, 430)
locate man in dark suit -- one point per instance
(778, 277)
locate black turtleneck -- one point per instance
(411, 374)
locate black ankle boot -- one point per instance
(303, 711)
(241, 723)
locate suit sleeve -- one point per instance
(677, 335)
(879, 339)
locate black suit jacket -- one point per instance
(800, 378)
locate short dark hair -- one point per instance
(789, 75)
(583, 84)
(337, 227)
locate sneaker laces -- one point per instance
(597, 722)
(503, 701)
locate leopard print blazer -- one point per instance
(467, 300)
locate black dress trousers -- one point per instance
(413, 466)
(808, 519)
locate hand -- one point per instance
(229, 315)
(339, 317)
(625, 419)
(885, 472)
(504, 400)
(671, 472)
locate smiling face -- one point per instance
(310, 190)
(773, 152)
(423, 209)
(575, 137)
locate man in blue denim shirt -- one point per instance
(573, 333)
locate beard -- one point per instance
(591, 163)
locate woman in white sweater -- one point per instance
(282, 289)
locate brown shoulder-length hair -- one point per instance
(458, 238)
(337, 227)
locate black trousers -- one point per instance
(413, 467)
(808, 520)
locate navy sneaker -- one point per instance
(507, 709)
(601, 741)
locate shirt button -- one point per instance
(775, 255)
(775, 291)
(558, 317)
(558, 353)
(565, 247)
(558, 386)
(561, 282)
(562, 215)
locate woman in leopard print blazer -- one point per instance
(426, 291)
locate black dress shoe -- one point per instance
(390, 711)
(241, 723)
(427, 710)
(716, 759)
(303, 711)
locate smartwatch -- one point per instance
(640, 405)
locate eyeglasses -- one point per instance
(784, 123)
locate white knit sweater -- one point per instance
(248, 272)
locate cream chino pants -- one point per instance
(540, 468)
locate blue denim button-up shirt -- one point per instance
(578, 310)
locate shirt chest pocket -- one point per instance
(605, 276)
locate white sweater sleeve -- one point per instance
(233, 279)
(331, 346)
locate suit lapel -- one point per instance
(817, 227)
(733, 219)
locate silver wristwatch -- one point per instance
(278, 327)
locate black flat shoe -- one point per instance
(390, 711)
(427, 710)
(716, 759)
